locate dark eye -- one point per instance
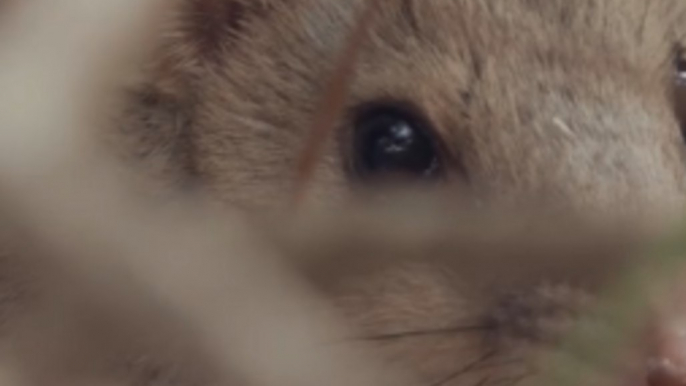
(393, 142)
(680, 65)
(680, 88)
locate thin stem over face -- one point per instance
(333, 102)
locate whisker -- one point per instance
(465, 369)
(420, 333)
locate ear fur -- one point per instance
(156, 123)
(201, 29)
(212, 24)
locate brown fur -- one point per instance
(550, 101)
(562, 101)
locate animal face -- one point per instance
(571, 102)
(578, 103)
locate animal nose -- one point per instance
(666, 372)
(667, 355)
(667, 364)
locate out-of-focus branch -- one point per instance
(255, 316)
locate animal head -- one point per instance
(577, 103)
(572, 102)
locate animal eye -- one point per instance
(393, 142)
(680, 66)
(680, 88)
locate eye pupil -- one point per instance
(397, 144)
(398, 138)
(390, 142)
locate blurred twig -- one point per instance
(333, 101)
(255, 317)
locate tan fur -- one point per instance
(562, 102)
(497, 79)
(551, 101)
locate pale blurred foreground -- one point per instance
(246, 302)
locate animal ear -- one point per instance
(158, 109)
(198, 31)
(193, 36)
(209, 25)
